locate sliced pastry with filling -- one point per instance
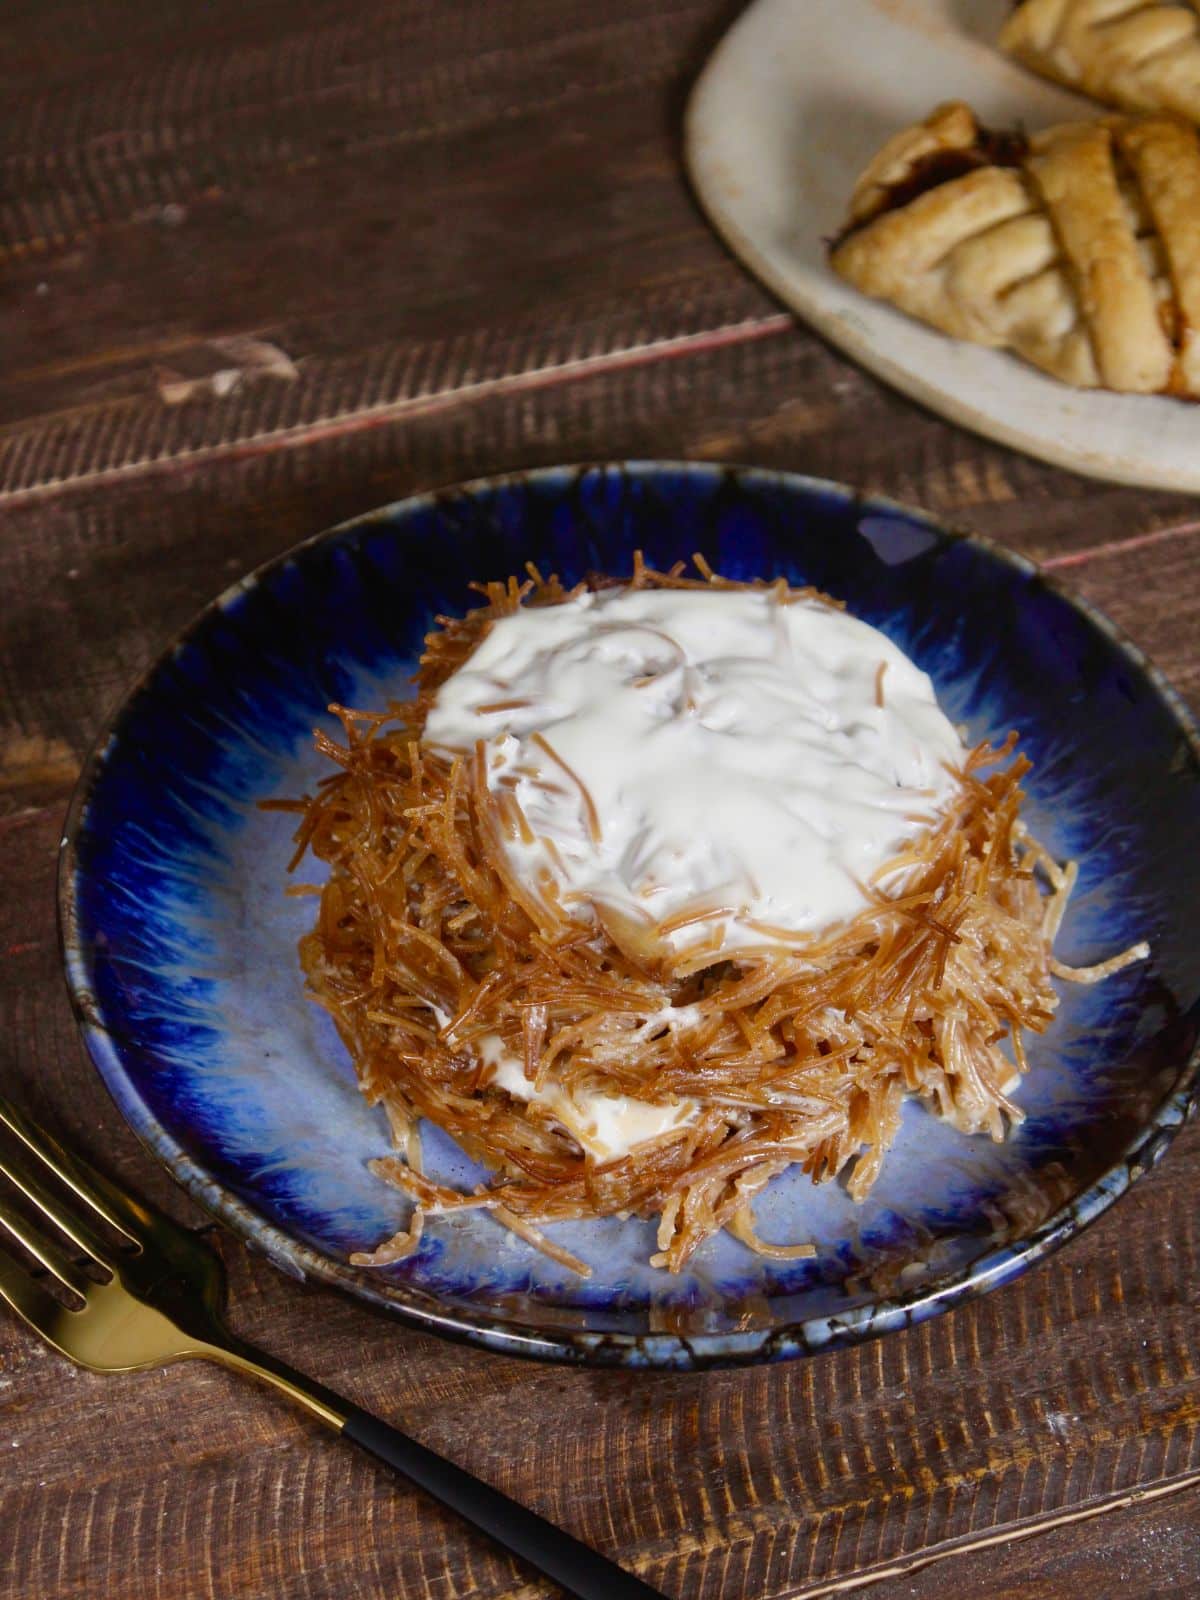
(1077, 248)
(1143, 55)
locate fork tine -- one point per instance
(117, 1209)
(76, 1228)
(31, 1302)
(46, 1251)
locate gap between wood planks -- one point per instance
(1137, 541)
(1002, 1536)
(667, 349)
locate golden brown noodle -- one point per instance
(802, 1050)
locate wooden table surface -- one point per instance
(265, 264)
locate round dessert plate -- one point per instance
(180, 943)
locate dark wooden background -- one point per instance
(265, 264)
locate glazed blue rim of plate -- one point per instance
(510, 1335)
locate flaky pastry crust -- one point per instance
(1136, 54)
(1077, 248)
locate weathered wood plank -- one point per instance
(515, 207)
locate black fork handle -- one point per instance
(580, 1570)
(577, 1568)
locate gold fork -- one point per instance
(162, 1300)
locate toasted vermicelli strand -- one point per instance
(433, 956)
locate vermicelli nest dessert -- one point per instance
(658, 887)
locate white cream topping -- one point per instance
(605, 1125)
(714, 752)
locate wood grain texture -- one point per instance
(464, 229)
(383, 200)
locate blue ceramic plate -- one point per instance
(180, 944)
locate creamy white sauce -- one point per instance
(714, 753)
(604, 1125)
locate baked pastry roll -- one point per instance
(1077, 248)
(1143, 55)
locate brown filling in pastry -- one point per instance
(994, 148)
